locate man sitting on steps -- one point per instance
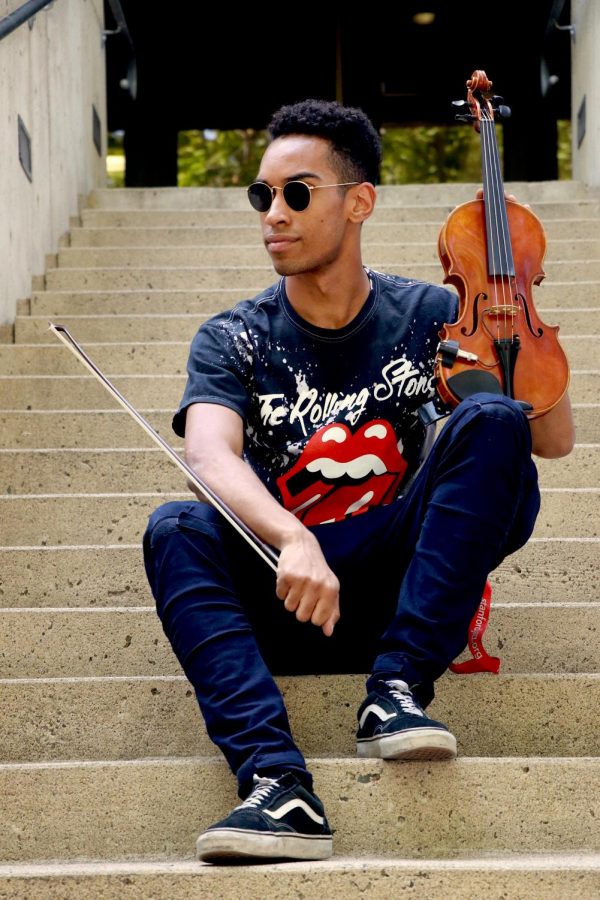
(300, 411)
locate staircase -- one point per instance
(106, 773)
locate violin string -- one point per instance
(511, 278)
(487, 198)
(500, 221)
(497, 215)
(492, 206)
(505, 234)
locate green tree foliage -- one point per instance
(418, 154)
(219, 159)
(565, 168)
(115, 161)
(411, 155)
(430, 154)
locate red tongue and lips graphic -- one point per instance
(340, 474)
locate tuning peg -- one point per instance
(465, 116)
(499, 107)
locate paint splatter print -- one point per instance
(330, 415)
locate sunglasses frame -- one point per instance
(309, 187)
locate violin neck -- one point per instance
(499, 249)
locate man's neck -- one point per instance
(326, 300)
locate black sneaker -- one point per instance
(280, 819)
(392, 725)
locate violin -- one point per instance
(492, 250)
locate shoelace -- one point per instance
(401, 692)
(263, 788)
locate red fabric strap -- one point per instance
(481, 660)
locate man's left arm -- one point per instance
(553, 435)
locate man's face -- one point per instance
(310, 240)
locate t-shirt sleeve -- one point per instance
(219, 371)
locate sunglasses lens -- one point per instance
(260, 197)
(297, 195)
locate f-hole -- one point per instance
(540, 331)
(463, 330)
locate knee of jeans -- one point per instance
(497, 406)
(163, 520)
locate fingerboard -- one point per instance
(499, 248)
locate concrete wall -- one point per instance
(50, 75)
(585, 48)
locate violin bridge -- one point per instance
(503, 309)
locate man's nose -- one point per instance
(278, 209)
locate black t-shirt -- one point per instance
(330, 415)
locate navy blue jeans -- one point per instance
(411, 573)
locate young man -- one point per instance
(301, 412)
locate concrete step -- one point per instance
(135, 358)
(34, 329)
(47, 720)
(64, 643)
(251, 279)
(157, 327)
(53, 303)
(557, 295)
(236, 197)
(30, 471)
(557, 570)
(194, 236)
(254, 254)
(245, 215)
(106, 428)
(537, 877)
(42, 429)
(50, 519)
(154, 809)
(170, 357)
(73, 392)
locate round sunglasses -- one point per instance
(296, 194)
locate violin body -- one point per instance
(492, 251)
(541, 372)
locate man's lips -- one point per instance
(278, 242)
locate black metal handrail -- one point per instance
(130, 82)
(14, 19)
(119, 17)
(28, 10)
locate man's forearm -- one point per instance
(553, 435)
(213, 448)
(235, 483)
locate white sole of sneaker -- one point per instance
(416, 743)
(224, 844)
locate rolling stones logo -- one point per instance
(341, 474)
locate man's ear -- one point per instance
(361, 201)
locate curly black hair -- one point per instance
(355, 143)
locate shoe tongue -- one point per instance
(259, 781)
(398, 684)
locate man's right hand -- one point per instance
(305, 582)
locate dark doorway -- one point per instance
(222, 69)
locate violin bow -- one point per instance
(266, 552)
